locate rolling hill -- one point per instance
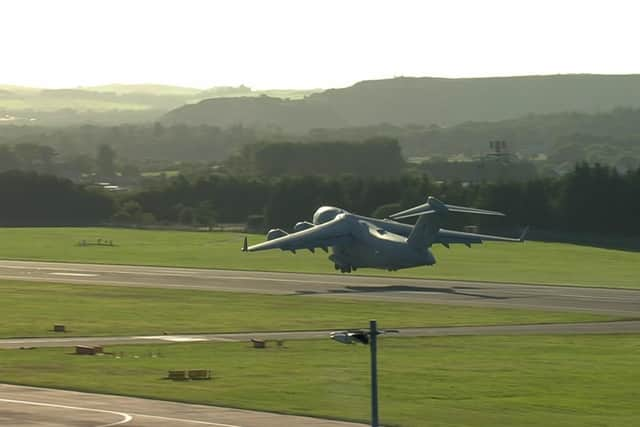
(422, 101)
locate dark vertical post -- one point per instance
(373, 336)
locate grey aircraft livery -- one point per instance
(359, 241)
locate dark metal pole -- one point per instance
(373, 336)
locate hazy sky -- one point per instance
(305, 44)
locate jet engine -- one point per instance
(302, 225)
(325, 214)
(274, 233)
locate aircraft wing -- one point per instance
(447, 237)
(320, 236)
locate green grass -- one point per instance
(31, 309)
(54, 104)
(530, 262)
(445, 381)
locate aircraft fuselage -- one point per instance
(377, 247)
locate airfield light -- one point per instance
(373, 340)
(366, 337)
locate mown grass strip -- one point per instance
(530, 262)
(31, 309)
(443, 381)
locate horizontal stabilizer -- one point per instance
(464, 209)
(427, 212)
(434, 205)
(422, 209)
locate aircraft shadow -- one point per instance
(403, 288)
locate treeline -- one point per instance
(375, 157)
(563, 139)
(32, 199)
(487, 169)
(589, 199)
(28, 157)
(140, 142)
(594, 199)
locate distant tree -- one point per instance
(255, 223)
(187, 215)
(8, 159)
(130, 212)
(79, 165)
(30, 198)
(35, 157)
(105, 161)
(205, 213)
(130, 171)
(158, 130)
(373, 157)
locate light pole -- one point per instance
(373, 335)
(366, 337)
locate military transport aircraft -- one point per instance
(359, 241)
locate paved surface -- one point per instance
(31, 406)
(620, 327)
(27, 406)
(561, 298)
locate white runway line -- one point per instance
(206, 423)
(125, 417)
(172, 338)
(74, 274)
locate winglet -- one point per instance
(524, 233)
(245, 245)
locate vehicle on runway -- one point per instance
(359, 241)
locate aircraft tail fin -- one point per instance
(425, 231)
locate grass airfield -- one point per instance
(31, 309)
(445, 381)
(579, 380)
(529, 262)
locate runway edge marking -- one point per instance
(125, 417)
(208, 423)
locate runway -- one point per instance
(28, 406)
(619, 302)
(618, 327)
(31, 407)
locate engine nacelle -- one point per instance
(274, 233)
(302, 225)
(325, 214)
